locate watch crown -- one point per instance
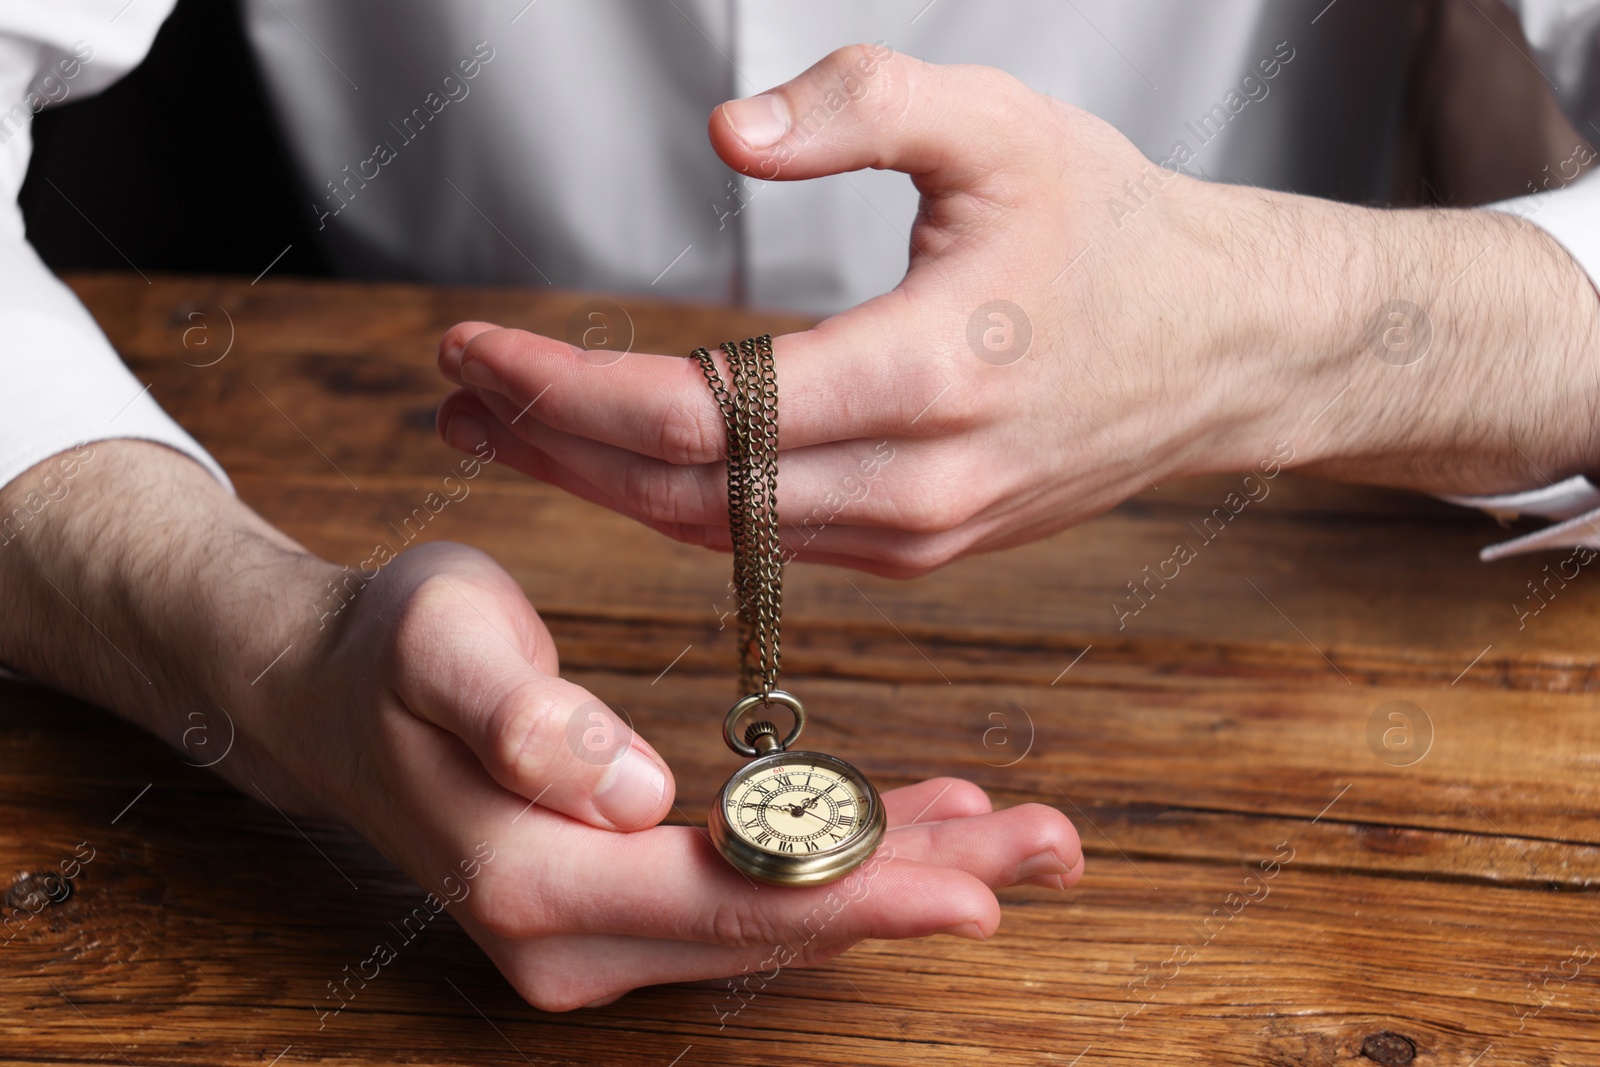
(761, 736)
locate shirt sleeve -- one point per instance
(1565, 35)
(61, 383)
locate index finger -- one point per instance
(850, 377)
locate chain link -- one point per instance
(750, 411)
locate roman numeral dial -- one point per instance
(794, 818)
(798, 805)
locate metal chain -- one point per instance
(750, 412)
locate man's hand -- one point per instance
(428, 712)
(1077, 324)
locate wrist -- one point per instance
(1448, 351)
(265, 611)
(148, 589)
(1273, 288)
(1494, 390)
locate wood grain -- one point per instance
(1443, 908)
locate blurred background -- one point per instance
(183, 167)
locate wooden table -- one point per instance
(1278, 872)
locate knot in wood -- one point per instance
(33, 891)
(1389, 1048)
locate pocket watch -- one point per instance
(792, 817)
(788, 817)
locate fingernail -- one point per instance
(452, 353)
(633, 792)
(476, 372)
(1057, 882)
(1045, 863)
(759, 121)
(969, 930)
(465, 433)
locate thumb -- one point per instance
(535, 733)
(869, 106)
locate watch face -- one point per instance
(797, 819)
(798, 803)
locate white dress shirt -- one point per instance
(562, 142)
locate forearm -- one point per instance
(141, 585)
(1446, 351)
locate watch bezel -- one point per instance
(797, 869)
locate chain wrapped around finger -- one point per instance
(750, 412)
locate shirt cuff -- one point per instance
(1575, 502)
(1569, 213)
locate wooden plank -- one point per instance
(205, 929)
(1159, 771)
(1321, 588)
